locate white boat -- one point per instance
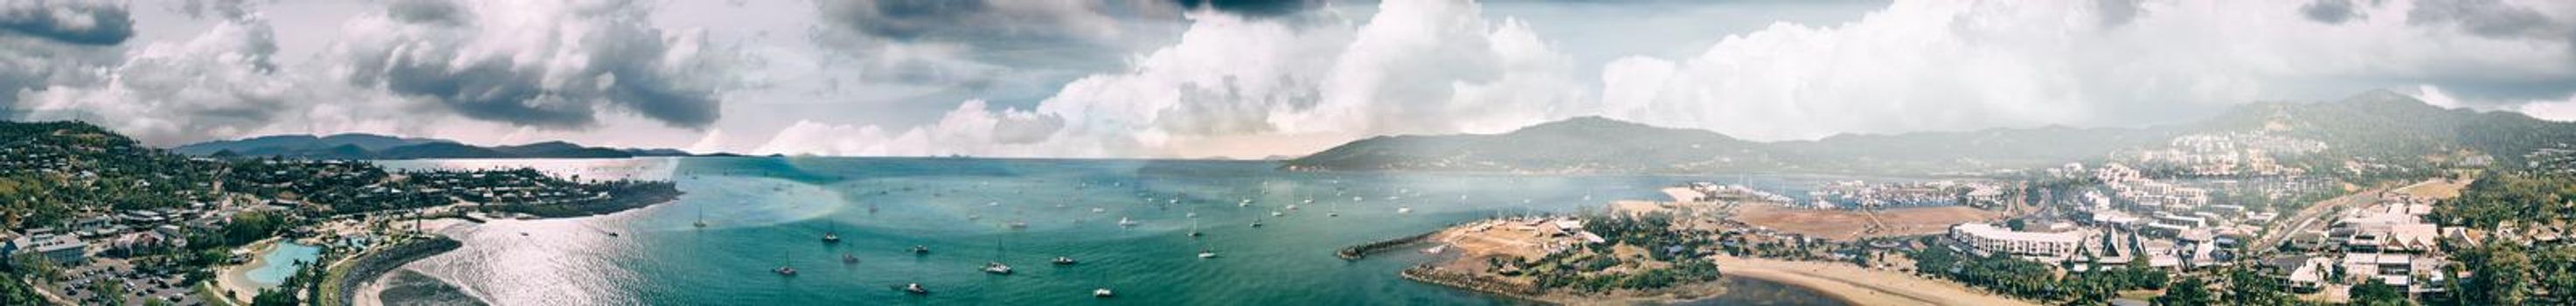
(1190, 215)
(1276, 213)
(1207, 254)
(1292, 206)
(1102, 292)
(1123, 221)
(997, 268)
(1404, 210)
(1099, 210)
(914, 288)
(1436, 249)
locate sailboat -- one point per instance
(996, 266)
(831, 236)
(783, 268)
(1194, 227)
(702, 218)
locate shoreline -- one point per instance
(235, 279)
(340, 286)
(1857, 286)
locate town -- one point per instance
(93, 218)
(2219, 219)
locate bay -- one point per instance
(762, 213)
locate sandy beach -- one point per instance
(235, 279)
(1861, 286)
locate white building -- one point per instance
(2002, 240)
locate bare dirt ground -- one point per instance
(1846, 225)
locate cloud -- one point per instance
(541, 64)
(220, 82)
(1960, 65)
(2331, 11)
(2489, 18)
(45, 42)
(1414, 67)
(71, 21)
(969, 129)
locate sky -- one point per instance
(1233, 79)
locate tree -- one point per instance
(275, 297)
(2377, 294)
(2190, 291)
(2246, 287)
(2503, 276)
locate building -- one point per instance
(63, 249)
(1990, 238)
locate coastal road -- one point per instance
(2309, 219)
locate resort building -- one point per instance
(1990, 238)
(63, 249)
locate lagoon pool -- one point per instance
(281, 261)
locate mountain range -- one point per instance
(2378, 124)
(371, 146)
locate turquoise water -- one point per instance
(766, 212)
(282, 262)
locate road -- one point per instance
(2310, 219)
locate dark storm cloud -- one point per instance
(2331, 11)
(2116, 12)
(80, 22)
(1255, 7)
(426, 11)
(2487, 18)
(619, 65)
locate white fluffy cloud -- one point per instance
(1434, 66)
(1951, 65)
(221, 82)
(1413, 67)
(538, 63)
(474, 70)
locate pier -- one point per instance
(1488, 285)
(1357, 252)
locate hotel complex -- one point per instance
(1989, 238)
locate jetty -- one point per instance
(1469, 281)
(1356, 252)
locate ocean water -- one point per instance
(763, 213)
